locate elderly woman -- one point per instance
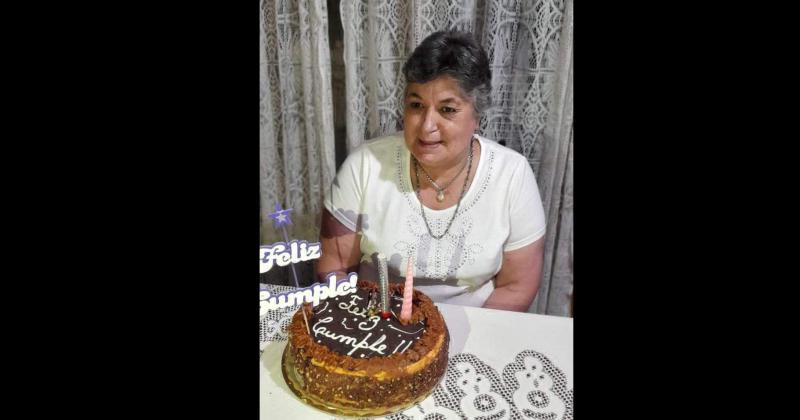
(465, 210)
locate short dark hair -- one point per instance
(455, 54)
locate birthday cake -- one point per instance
(355, 362)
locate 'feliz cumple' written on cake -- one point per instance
(320, 329)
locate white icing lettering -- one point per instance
(353, 308)
(317, 327)
(405, 332)
(364, 326)
(398, 346)
(324, 307)
(320, 329)
(364, 344)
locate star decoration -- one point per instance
(280, 217)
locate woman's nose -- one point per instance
(429, 123)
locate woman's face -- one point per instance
(439, 122)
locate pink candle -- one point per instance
(408, 291)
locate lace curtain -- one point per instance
(296, 122)
(529, 43)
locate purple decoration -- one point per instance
(280, 217)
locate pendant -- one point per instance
(440, 196)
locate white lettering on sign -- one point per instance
(311, 294)
(282, 254)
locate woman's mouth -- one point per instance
(428, 145)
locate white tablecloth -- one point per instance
(503, 365)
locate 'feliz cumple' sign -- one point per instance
(282, 254)
(311, 294)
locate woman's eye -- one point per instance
(415, 105)
(448, 110)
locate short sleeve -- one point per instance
(526, 215)
(343, 199)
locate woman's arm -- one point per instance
(518, 281)
(341, 250)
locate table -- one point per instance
(503, 365)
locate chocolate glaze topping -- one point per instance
(351, 325)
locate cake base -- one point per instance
(296, 385)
